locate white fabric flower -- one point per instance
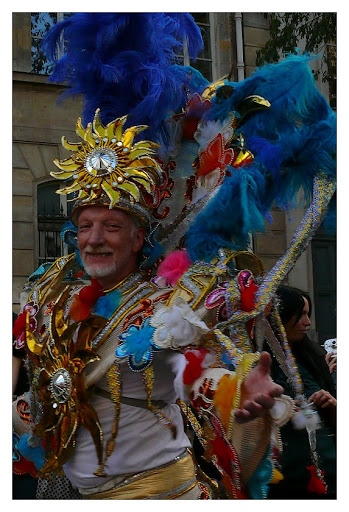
(177, 326)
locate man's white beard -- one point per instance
(95, 271)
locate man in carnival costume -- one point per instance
(169, 307)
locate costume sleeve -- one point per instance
(243, 453)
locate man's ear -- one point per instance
(139, 236)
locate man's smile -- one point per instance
(95, 256)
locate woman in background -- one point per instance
(295, 311)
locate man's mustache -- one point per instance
(92, 250)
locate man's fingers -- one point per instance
(265, 401)
(254, 408)
(264, 362)
(276, 390)
(259, 406)
(242, 416)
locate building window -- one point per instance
(53, 211)
(204, 61)
(41, 22)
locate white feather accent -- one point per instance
(208, 130)
(298, 420)
(208, 360)
(178, 363)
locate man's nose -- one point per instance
(96, 235)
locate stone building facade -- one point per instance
(39, 123)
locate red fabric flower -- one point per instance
(248, 296)
(193, 369)
(316, 483)
(85, 300)
(23, 467)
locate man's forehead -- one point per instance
(91, 212)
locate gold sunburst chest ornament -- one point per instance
(107, 168)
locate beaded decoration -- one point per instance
(148, 380)
(115, 387)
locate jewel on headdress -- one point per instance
(107, 168)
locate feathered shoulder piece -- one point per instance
(254, 144)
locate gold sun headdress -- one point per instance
(108, 169)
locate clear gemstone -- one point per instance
(101, 161)
(60, 386)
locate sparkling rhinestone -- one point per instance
(119, 143)
(113, 140)
(105, 139)
(125, 150)
(94, 185)
(97, 141)
(75, 176)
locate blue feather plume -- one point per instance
(122, 63)
(235, 211)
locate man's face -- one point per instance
(296, 330)
(108, 241)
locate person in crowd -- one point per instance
(297, 459)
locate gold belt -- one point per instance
(165, 482)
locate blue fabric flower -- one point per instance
(137, 345)
(35, 454)
(258, 483)
(15, 453)
(106, 305)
